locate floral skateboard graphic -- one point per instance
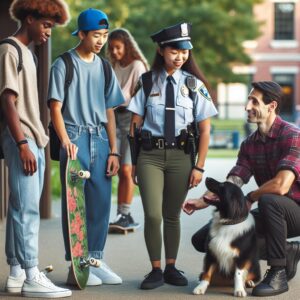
(75, 177)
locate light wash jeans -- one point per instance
(93, 150)
(23, 216)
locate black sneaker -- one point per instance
(153, 280)
(274, 283)
(132, 223)
(121, 221)
(174, 276)
(292, 259)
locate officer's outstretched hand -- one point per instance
(195, 178)
(133, 175)
(113, 165)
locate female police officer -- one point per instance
(172, 97)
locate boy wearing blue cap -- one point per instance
(86, 128)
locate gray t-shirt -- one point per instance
(86, 103)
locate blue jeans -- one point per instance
(93, 150)
(23, 216)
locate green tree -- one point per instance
(219, 28)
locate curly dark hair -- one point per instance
(54, 9)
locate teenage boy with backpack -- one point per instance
(86, 129)
(23, 140)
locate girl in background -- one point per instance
(128, 63)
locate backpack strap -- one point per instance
(107, 73)
(147, 83)
(15, 44)
(67, 59)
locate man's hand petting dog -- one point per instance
(190, 205)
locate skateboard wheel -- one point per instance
(94, 262)
(84, 174)
(49, 269)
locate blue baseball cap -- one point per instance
(91, 19)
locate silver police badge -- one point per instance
(184, 91)
(184, 29)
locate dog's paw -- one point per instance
(240, 293)
(250, 284)
(201, 288)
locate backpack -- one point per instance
(67, 59)
(19, 69)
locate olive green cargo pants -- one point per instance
(163, 177)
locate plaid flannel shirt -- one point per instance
(263, 159)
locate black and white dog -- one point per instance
(231, 247)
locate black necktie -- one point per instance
(170, 113)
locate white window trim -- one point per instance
(244, 69)
(284, 70)
(284, 1)
(291, 57)
(287, 44)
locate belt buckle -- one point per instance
(161, 144)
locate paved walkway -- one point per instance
(127, 255)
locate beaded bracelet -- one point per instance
(22, 142)
(198, 169)
(114, 154)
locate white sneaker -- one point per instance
(14, 284)
(93, 279)
(106, 274)
(41, 286)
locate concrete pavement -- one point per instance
(127, 255)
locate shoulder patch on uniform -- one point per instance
(204, 92)
(138, 86)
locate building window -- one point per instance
(287, 82)
(284, 21)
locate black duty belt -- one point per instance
(160, 143)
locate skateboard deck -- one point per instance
(123, 230)
(75, 177)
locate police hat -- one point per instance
(176, 36)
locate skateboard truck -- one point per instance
(81, 174)
(84, 263)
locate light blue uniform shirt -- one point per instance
(86, 103)
(155, 104)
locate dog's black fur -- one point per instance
(232, 240)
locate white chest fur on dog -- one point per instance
(221, 237)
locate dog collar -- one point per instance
(232, 222)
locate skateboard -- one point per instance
(75, 177)
(123, 230)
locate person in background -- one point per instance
(128, 63)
